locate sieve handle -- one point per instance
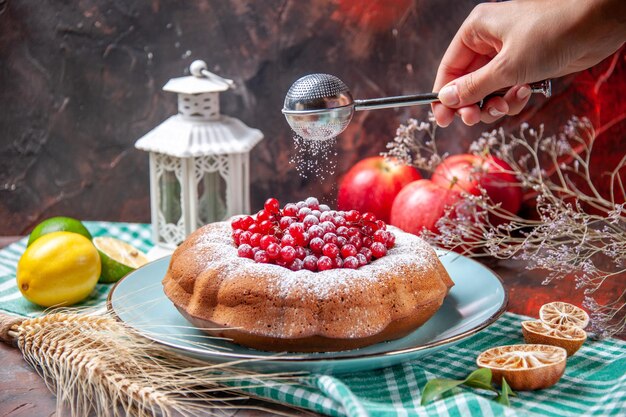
(544, 87)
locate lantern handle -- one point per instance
(198, 68)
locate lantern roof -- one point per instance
(201, 80)
(179, 137)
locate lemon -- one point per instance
(58, 269)
(57, 224)
(558, 312)
(567, 336)
(118, 258)
(525, 367)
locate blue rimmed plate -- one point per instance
(477, 299)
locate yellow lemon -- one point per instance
(58, 269)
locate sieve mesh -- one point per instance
(314, 87)
(319, 130)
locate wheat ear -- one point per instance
(96, 364)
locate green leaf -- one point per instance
(436, 387)
(480, 378)
(503, 397)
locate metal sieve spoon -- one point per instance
(320, 106)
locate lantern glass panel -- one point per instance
(170, 197)
(211, 198)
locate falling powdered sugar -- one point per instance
(314, 158)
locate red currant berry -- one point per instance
(341, 241)
(300, 252)
(326, 216)
(312, 203)
(287, 240)
(266, 240)
(353, 216)
(339, 221)
(246, 222)
(315, 231)
(380, 225)
(316, 213)
(338, 262)
(255, 239)
(369, 217)
(236, 235)
(273, 250)
(362, 259)
(296, 230)
(303, 212)
(330, 249)
(367, 253)
(378, 250)
(367, 241)
(380, 236)
(324, 263)
(237, 223)
(296, 265)
(330, 238)
(254, 228)
(288, 254)
(354, 231)
(316, 244)
(310, 220)
(261, 257)
(245, 251)
(245, 238)
(342, 231)
(265, 226)
(324, 207)
(300, 204)
(263, 215)
(310, 263)
(356, 242)
(391, 240)
(290, 210)
(351, 262)
(348, 250)
(367, 230)
(284, 222)
(271, 205)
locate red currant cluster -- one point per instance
(310, 235)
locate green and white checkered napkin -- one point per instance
(594, 383)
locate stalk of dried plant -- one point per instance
(577, 231)
(96, 364)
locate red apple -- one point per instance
(466, 172)
(372, 184)
(420, 204)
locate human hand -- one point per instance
(517, 42)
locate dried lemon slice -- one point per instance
(569, 337)
(558, 312)
(525, 367)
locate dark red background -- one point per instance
(80, 81)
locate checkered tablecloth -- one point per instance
(594, 383)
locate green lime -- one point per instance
(118, 258)
(58, 224)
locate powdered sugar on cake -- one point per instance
(217, 246)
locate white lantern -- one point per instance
(199, 161)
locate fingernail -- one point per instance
(495, 112)
(449, 95)
(523, 92)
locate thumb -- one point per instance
(474, 86)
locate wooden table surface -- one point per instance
(23, 394)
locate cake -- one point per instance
(290, 303)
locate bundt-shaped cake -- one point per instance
(271, 307)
